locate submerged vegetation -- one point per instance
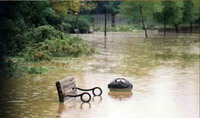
(38, 70)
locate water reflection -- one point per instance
(97, 99)
(120, 95)
(87, 105)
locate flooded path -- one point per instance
(164, 72)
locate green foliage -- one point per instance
(41, 33)
(10, 69)
(71, 22)
(142, 11)
(56, 48)
(127, 8)
(113, 7)
(197, 11)
(190, 11)
(37, 70)
(33, 13)
(27, 21)
(171, 12)
(36, 31)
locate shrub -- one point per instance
(10, 69)
(42, 33)
(70, 46)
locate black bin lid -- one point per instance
(120, 83)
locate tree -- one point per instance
(190, 12)
(171, 13)
(139, 10)
(100, 7)
(63, 7)
(113, 9)
(87, 6)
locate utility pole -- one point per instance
(105, 30)
(77, 30)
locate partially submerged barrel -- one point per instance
(120, 84)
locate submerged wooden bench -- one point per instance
(66, 88)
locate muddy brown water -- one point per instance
(164, 71)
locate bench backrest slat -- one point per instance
(66, 80)
(66, 84)
(69, 90)
(69, 87)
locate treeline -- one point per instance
(152, 13)
(173, 13)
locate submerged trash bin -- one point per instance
(120, 84)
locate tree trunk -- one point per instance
(191, 27)
(93, 26)
(164, 25)
(176, 28)
(144, 28)
(113, 20)
(164, 28)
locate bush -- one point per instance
(70, 46)
(42, 33)
(10, 69)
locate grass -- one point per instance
(38, 70)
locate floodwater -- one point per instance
(164, 71)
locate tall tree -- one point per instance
(171, 13)
(190, 12)
(139, 10)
